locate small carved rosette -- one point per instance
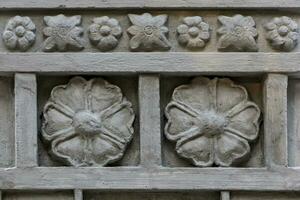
(193, 33)
(212, 122)
(148, 33)
(105, 33)
(282, 33)
(237, 33)
(63, 33)
(87, 123)
(19, 33)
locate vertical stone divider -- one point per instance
(225, 195)
(150, 127)
(275, 120)
(26, 120)
(78, 194)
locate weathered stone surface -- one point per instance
(148, 32)
(88, 123)
(105, 33)
(237, 33)
(212, 122)
(282, 33)
(63, 33)
(193, 33)
(156, 195)
(57, 195)
(19, 33)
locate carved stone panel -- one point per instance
(212, 122)
(87, 123)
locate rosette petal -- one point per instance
(230, 149)
(199, 151)
(228, 95)
(103, 95)
(71, 96)
(181, 121)
(196, 95)
(244, 120)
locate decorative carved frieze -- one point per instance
(87, 123)
(147, 33)
(212, 122)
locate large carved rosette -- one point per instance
(212, 122)
(87, 123)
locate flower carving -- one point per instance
(87, 123)
(19, 33)
(282, 33)
(105, 32)
(212, 122)
(193, 33)
(63, 33)
(148, 33)
(237, 33)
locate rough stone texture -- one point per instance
(7, 147)
(265, 196)
(158, 196)
(293, 123)
(56, 195)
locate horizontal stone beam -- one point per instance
(154, 179)
(166, 4)
(163, 63)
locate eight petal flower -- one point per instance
(193, 33)
(238, 33)
(282, 33)
(87, 123)
(63, 33)
(19, 33)
(212, 122)
(148, 32)
(105, 32)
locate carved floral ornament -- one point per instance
(19, 33)
(193, 33)
(63, 33)
(212, 122)
(237, 33)
(87, 123)
(105, 33)
(282, 33)
(149, 33)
